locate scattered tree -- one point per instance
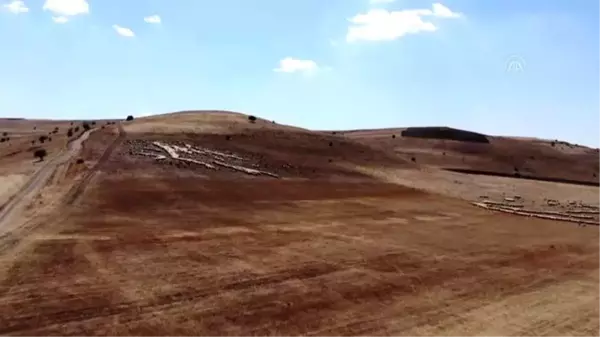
(129, 118)
(252, 119)
(40, 153)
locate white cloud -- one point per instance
(442, 11)
(292, 65)
(67, 8)
(123, 31)
(152, 19)
(16, 7)
(60, 19)
(384, 25)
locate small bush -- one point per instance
(76, 129)
(93, 123)
(393, 136)
(227, 137)
(129, 118)
(5, 134)
(71, 123)
(35, 127)
(553, 144)
(85, 126)
(80, 160)
(413, 159)
(252, 119)
(40, 153)
(33, 142)
(70, 133)
(49, 139)
(330, 143)
(2, 140)
(42, 139)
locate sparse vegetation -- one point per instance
(40, 153)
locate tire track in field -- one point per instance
(79, 188)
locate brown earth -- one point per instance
(350, 239)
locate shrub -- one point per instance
(227, 137)
(553, 144)
(49, 139)
(76, 129)
(5, 134)
(35, 127)
(2, 140)
(413, 159)
(93, 123)
(70, 133)
(71, 123)
(79, 160)
(330, 143)
(33, 142)
(252, 119)
(7, 139)
(40, 153)
(42, 139)
(85, 126)
(129, 118)
(393, 136)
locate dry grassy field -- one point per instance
(207, 224)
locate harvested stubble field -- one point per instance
(156, 249)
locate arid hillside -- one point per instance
(216, 223)
(519, 157)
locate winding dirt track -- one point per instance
(39, 179)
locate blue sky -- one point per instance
(503, 67)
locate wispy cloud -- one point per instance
(292, 65)
(17, 7)
(60, 19)
(155, 19)
(123, 31)
(67, 7)
(384, 25)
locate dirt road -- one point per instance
(15, 206)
